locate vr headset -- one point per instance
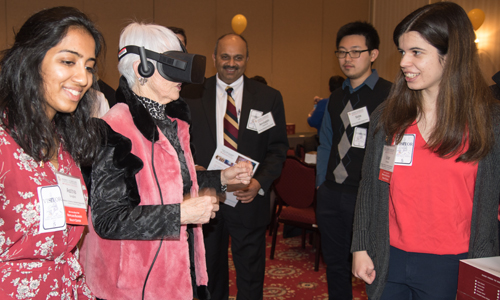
(172, 65)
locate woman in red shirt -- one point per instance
(46, 131)
(438, 204)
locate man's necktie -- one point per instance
(230, 122)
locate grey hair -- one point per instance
(150, 36)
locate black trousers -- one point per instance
(248, 246)
(335, 214)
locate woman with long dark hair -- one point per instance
(439, 203)
(46, 131)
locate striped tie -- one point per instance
(230, 122)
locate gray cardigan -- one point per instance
(371, 220)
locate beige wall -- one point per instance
(488, 34)
(387, 14)
(291, 41)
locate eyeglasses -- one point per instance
(352, 53)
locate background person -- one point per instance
(141, 242)
(342, 149)
(441, 203)
(495, 89)
(315, 117)
(246, 222)
(259, 79)
(180, 33)
(46, 128)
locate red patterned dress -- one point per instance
(33, 265)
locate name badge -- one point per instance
(74, 201)
(387, 163)
(254, 114)
(358, 116)
(359, 138)
(404, 153)
(52, 216)
(265, 122)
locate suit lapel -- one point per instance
(209, 104)
(246, 106)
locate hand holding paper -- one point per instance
(236, 179)
(239, 173)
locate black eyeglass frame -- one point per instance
(358, 52)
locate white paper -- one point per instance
(254, 114)
(230, 199)
(52, 213)
(310, 157)
(224, 158)
(358, 116)
(265, 122)
(404, 153)
(359, 138)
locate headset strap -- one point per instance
(161, 58)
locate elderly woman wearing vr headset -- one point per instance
(144, 237)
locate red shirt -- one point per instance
(430, 204)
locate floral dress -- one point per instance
(33, 265)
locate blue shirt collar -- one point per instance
(370, 82)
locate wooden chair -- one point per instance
(296, 199)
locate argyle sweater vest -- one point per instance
(344, 164)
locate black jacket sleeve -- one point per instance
(209, 179)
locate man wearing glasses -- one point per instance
(342, 147)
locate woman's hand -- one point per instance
(362, 266)
(239, 173)
(198, 210)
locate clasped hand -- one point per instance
(241, 173)
(199, 210)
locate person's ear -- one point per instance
(442, 59)
(135, 66)
(373, 55)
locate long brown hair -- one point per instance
(464, 100)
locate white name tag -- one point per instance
(265, 122)
(387, 163)
(74, 201)
(359, 138)
(254, 114)
(404, 153)
(52, 215)
(358, 116)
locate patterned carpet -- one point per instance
(291, 274)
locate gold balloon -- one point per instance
(239, 23)
(476, 17)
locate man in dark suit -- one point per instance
(245, 222)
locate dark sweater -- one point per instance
(353, 159)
